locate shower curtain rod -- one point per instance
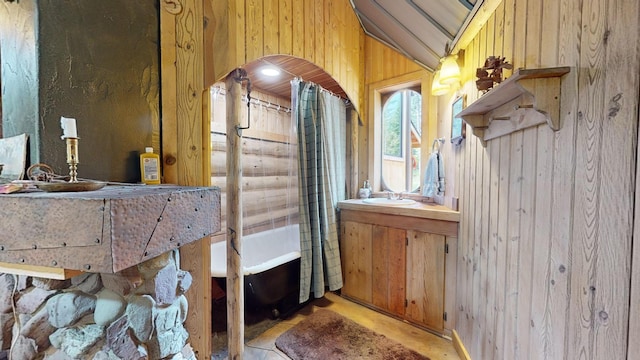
(346, 101)
(255, 101)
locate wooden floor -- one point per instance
(436, 348)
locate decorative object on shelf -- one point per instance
(447, 74)
(70, 136)
(529, 97)
(458, 128)
(44, 178)
(41, 172)
(486, 80)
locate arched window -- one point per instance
(401, 140)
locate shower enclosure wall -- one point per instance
(269, 191)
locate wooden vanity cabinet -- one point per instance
(425, 279)
(398, 265)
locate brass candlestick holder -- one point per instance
(72, 158)
(73, 184)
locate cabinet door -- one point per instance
(388, 261)
(425, 279)
(355, 246)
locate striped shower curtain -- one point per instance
(321, 121)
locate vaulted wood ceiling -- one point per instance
(422, 30)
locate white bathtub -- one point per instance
(260, 251)
(271, 262)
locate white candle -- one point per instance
(68, 127)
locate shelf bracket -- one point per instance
(529, 97)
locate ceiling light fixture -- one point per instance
(270, 71)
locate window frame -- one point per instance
(406, 135)
(376, 93)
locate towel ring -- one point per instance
(439, 142)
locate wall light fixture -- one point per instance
(449, 70)
(437, 87)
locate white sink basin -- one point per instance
(389, 202)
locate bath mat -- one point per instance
(327, 335)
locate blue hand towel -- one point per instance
(434, 176)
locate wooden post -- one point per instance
(235, 280)
(355, 181)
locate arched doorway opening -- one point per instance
(269, 152)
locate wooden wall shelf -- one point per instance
(527, 98)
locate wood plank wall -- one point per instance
(324, 32)
(270, 182)
(384, 65)
(185, 145)
(544, 262)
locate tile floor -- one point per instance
(263, 346)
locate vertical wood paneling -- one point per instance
(196, 257)
(539, 346)
(478, 271)
(476, 216)
(382, 62)
(513, 244)
(483, 260)
(541, 242)
(494, 271)
(285, 27)
(529, 42)
(470, 235)
(309, 30)
(562, 210)
(634, 311)
(237, 18)
(254, 41)
(425, 274)
(619, 117)
(560, 204)
(487, 344)
(389, 269)
(486, 280)
(463, 318)
(329, 35)
(340, 48)
(451, 263)
(584, 246)
(520, 33)
(169, 99)
(297, 30)
(526, 238)
(321, 25)
(549, 33)
(479, 243)
(509, 32)
(503, 241)
(270, 32)
(356, 249)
